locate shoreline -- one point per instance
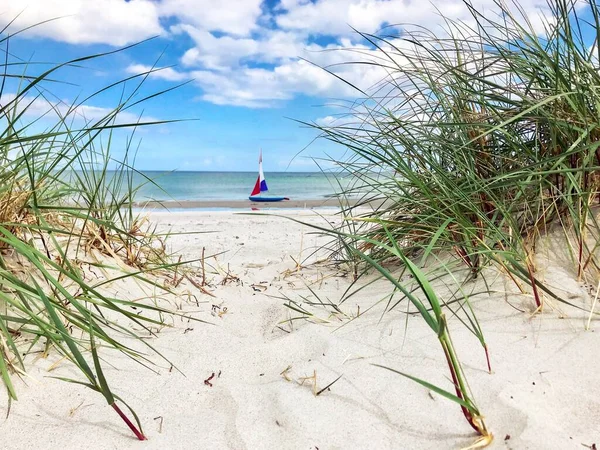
(331, 202)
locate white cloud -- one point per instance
(38, 107)
(325, 121)
(221, 53)
(263, 69)
(163, 73)
(245, 52)
(114, 22)
(95, 113)
(266, 87)
(236, 17)
(336, 17)
(121, 22)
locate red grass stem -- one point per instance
(131, 426)
(536, 294)
(459, 393)
(487, 357)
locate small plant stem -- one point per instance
(471, 413)
(487, 357)
(580, 256)
(459, 394)
(536, 295)
(131, 426)
(203, 269)
(587, 326)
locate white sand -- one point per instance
(544, 391)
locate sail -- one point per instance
(261, 183)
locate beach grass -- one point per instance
(68, 232)
(481, 137)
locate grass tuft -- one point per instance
(68, 233)
(481, 139)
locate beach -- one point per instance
(300, 225)
(245, 378)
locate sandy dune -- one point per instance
(543, 392)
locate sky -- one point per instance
(247, 73)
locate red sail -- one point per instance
(256, 189)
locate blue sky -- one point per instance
(244, 62)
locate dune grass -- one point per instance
(481, 136)
(65, 218)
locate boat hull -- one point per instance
(256, 198)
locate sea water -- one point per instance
(198, 186)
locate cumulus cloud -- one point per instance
(336, 17)
(260, 87)
(114, 22)
(236, 17)
(326, 121)
(121, 22)
(52, 109)
(248, 52)
(267, 67)
(163, 73)
(224, 52)
(268, 86)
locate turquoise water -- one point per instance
(232, 185)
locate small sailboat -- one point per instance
(261, 186)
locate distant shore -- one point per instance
(242, 204)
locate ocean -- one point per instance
(211, 186)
